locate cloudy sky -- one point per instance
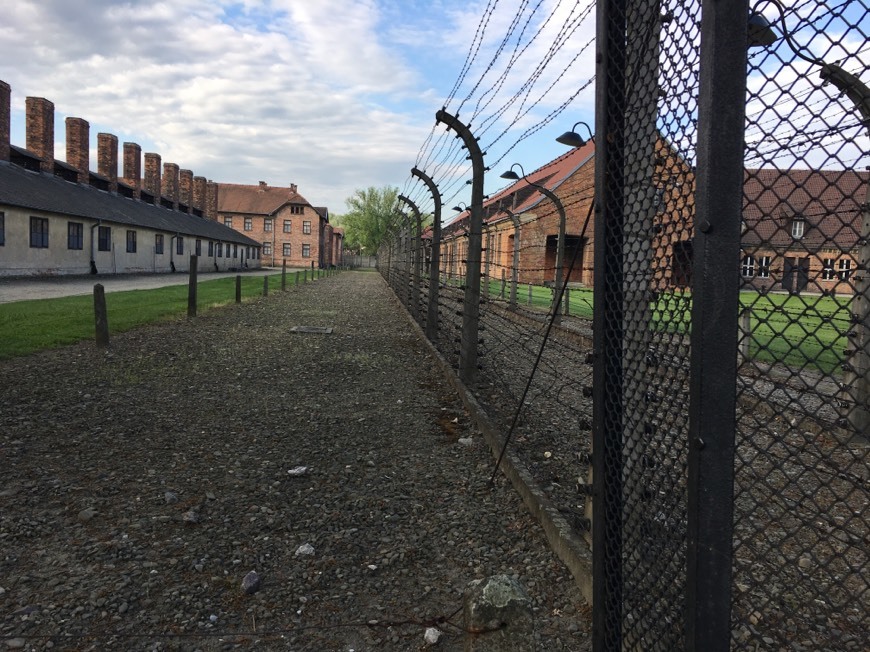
(331, 95)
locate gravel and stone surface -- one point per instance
(226, 483)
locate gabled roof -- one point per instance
(45, 192)
(261, 199)
(829, 201)
(323, 211)
(520, 196)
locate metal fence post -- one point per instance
(607, 386)
(435, 260)
(715, 309)
(471, 303)
(238, 288)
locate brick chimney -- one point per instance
(107, 159)
(152, 175)
(185, 189)
(211, 197)
(78, 143)
(133, 167)
(292, 187)
(40, 131)
(199, 186)
(170, 183)
(5, 118)
(264, 186)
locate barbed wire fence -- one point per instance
(694, 396)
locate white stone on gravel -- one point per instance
(432, 635)
(305, 549)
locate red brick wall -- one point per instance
(199, 188)
(5, 118)
(107, 159)
(152, 175)
(40, 130)
(169, 187)
(133, 166)
(78, 142)
(185, 189)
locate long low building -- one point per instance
(61, 218)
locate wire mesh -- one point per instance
(616, 419)
(801, 475)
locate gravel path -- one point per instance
(142, 484)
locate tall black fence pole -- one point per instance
(238, 288)
(435, 259)
(715, 314)
(417, 259)
(610, 110)
(471, 303)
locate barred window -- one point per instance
(747, 267)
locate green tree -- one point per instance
(370, 213)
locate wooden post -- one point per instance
(297, 277)
(265, 286)
(284, 275)
(566, 301)
(503, 283)
(191, 287)
(305, 276)
(239, 288)
(101, 317)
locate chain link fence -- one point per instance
(691, 358)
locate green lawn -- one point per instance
(28, 326)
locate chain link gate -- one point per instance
(733, 335)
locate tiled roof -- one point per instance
(45, 192)
(255, 200)
(551, 176)
(828, 200)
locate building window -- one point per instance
(39, 232)
(220, 249)
(306, 251)
(306, 227)
(104, 238)
(2, 229)
(287, 225)
(747, 267)
(267, 224)
(210, 249)
(828, 273)
(228, 221)
(297, 210)
(235, 250)
(286, 249)
(797, 228)
(249, 224)
(131, 242)
(179, 245)
(198, 247)
(764, 267)
(267, 248)
(158, 243)
(75, 232)
(845, 268)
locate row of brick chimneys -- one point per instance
(175, 188)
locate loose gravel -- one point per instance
(226, 483)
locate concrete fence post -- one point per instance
(498, 616)
(101, 317)
(191, 287)
(297, 277)
(238, 288)
(305, 276)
